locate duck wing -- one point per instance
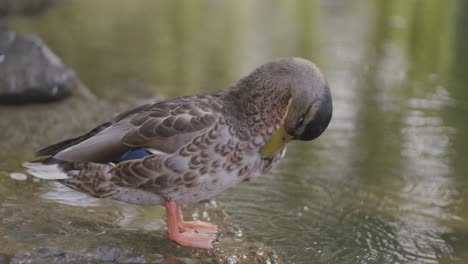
(160, 127)
(59, 146)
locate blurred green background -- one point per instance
(388, 180)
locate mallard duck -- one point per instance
(187, 149)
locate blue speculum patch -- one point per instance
(138, 153)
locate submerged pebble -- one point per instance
(18, 176)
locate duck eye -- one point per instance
(300, 121)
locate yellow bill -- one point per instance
(279, 138)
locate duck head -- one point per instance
(310, 105)
(310, 108)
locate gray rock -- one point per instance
(30, 72)
(26, 7)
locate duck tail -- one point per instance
(48, 169)
(94, 179)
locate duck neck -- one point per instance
(262, 104)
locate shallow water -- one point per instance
(387, 181)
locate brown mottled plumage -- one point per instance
(200, 145)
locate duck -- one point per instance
(186, 149)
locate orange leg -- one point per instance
(197, 226)
(184, 235)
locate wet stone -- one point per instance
(73, 234)
(30, 72)
(25, 7)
